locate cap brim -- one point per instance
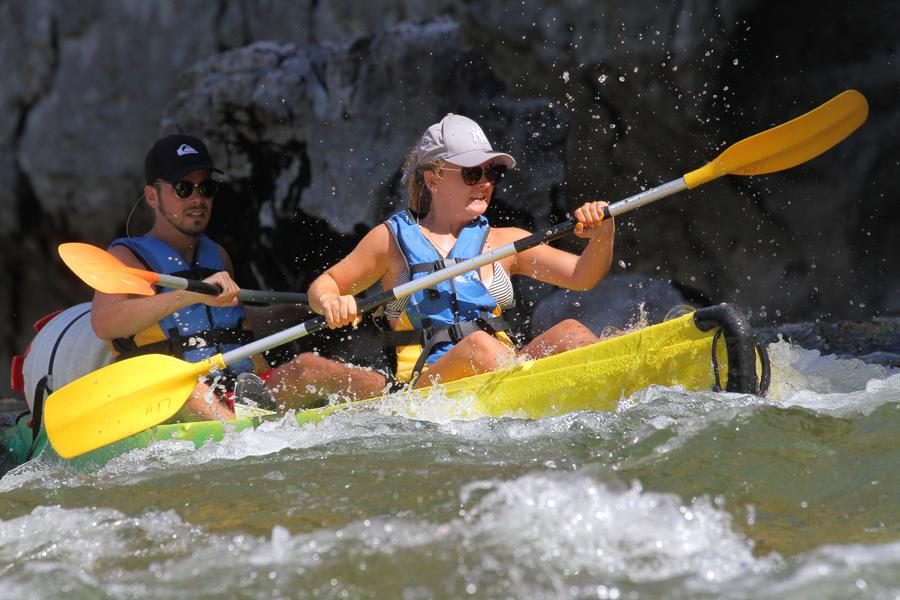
(473, 158)
(187, 170)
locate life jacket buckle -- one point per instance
(456, 332)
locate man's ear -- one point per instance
(151, 195)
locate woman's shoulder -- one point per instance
(378, 231)
(499, 236)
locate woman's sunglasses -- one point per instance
(184, 188)
(472, 175)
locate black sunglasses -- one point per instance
(472, 175)
(184, 188)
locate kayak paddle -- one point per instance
(133, 395)
(106, 273)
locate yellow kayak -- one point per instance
(679, 352)
(712, 348)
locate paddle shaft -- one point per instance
(407, 289)
(201, 287)
(314, 325)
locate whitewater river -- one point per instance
(675, 495)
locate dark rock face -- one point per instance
(314, 140)
(311, 107)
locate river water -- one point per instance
(675, 495)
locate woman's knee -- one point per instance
(574, 326)
(485, 348)
(572, 330)
(565, 335)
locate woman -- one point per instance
(454, 330)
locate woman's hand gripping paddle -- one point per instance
(106, 273)
(128, 397)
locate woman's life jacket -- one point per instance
(437, 318)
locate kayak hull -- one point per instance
(710, 349)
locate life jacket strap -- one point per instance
(430, 336)
(431, 267)
(176, 344)
(452, 333)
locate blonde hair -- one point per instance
(418, 194)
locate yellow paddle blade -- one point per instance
(104, 272)
(120, 400)
(789, 144)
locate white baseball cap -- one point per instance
(459, 140)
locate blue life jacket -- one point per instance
(435, 319)
(194, 332)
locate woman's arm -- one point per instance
(565, 269)
(331, 294)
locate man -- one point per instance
(180, 190)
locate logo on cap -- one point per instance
(185, 149)
(478, 136)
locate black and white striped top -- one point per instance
(500, 288)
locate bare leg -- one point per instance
(565, 335)
(478, 352)
(306, 380)
(204, 405)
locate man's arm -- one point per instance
(122, 315)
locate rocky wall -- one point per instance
(311, 107)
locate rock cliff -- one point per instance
(310, 107)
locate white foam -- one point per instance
(795, 369)
(827, 384)
(845, 571)
(576, 523)
(268, 438)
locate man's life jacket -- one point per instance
(194, 332)
(437, 318)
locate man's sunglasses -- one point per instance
(184, 188)
(472, 175)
